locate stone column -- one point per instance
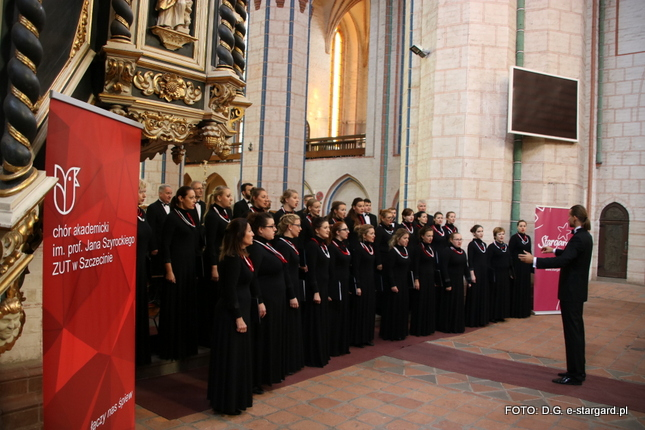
(461, 156)
(277, 87)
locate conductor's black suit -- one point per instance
(574, 261)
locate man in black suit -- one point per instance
(370, 218)
(155, 216)
(200, 205)
(243, 207)
(574, 262)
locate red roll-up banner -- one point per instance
(551, 229)
(90, 227)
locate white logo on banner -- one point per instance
(65, 190)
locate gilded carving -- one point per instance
(215, 137)
(222, 95)
(12, 317)
(17, 245)
(163, 126)
(172, 39)
(178, 153)
(14, 240)
(236, 114)
(119, 73)
(81, 30)
(168, 86)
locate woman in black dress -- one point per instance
(178, 325)
(146, 246)
(440, 238)
(521, 292)
(337, 213)
(384, 232)
(407, 222)
(422, 298)
(315, 312)
(454, 268)
(499, 261)
(341, 258)
(477, 301)
(355, 217)
(312, 211)
(362, 313)
(450, 226)
(420, 220)
(259, 200)
(287, 244)
(270, 275)
(290, 201)
(230, 381)
(216, 220)
(398, 281)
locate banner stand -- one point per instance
(89, 267)
(551, 229)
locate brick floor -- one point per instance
(388, 393)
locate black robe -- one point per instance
(477, 301)
(315, 316)
(454, 268)
(279, 214)
(156, 216)
(145, 244)
(294, 349)
(230, 381)
(178, 325)
(500, 263)
(440, 239)
(396, 307)
(521, 291)
(269, 344)
(215, 223)
(423, 301)
(382, 247)
(339, 335)
(362, 308)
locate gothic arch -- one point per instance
(395, 203)
(213, 180)
(341, 189)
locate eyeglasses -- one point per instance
(271, 226)
(297, 225)
(344, 229)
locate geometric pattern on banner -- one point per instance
(551, 229)
(89, 270)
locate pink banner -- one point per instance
(551, 229)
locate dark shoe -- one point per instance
(370, 344)
(567, 380)
(258, 390)
(582, 378)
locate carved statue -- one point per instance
(175, 14)
(12, 318)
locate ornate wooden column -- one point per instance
(22, 187)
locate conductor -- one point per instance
(574, 261)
